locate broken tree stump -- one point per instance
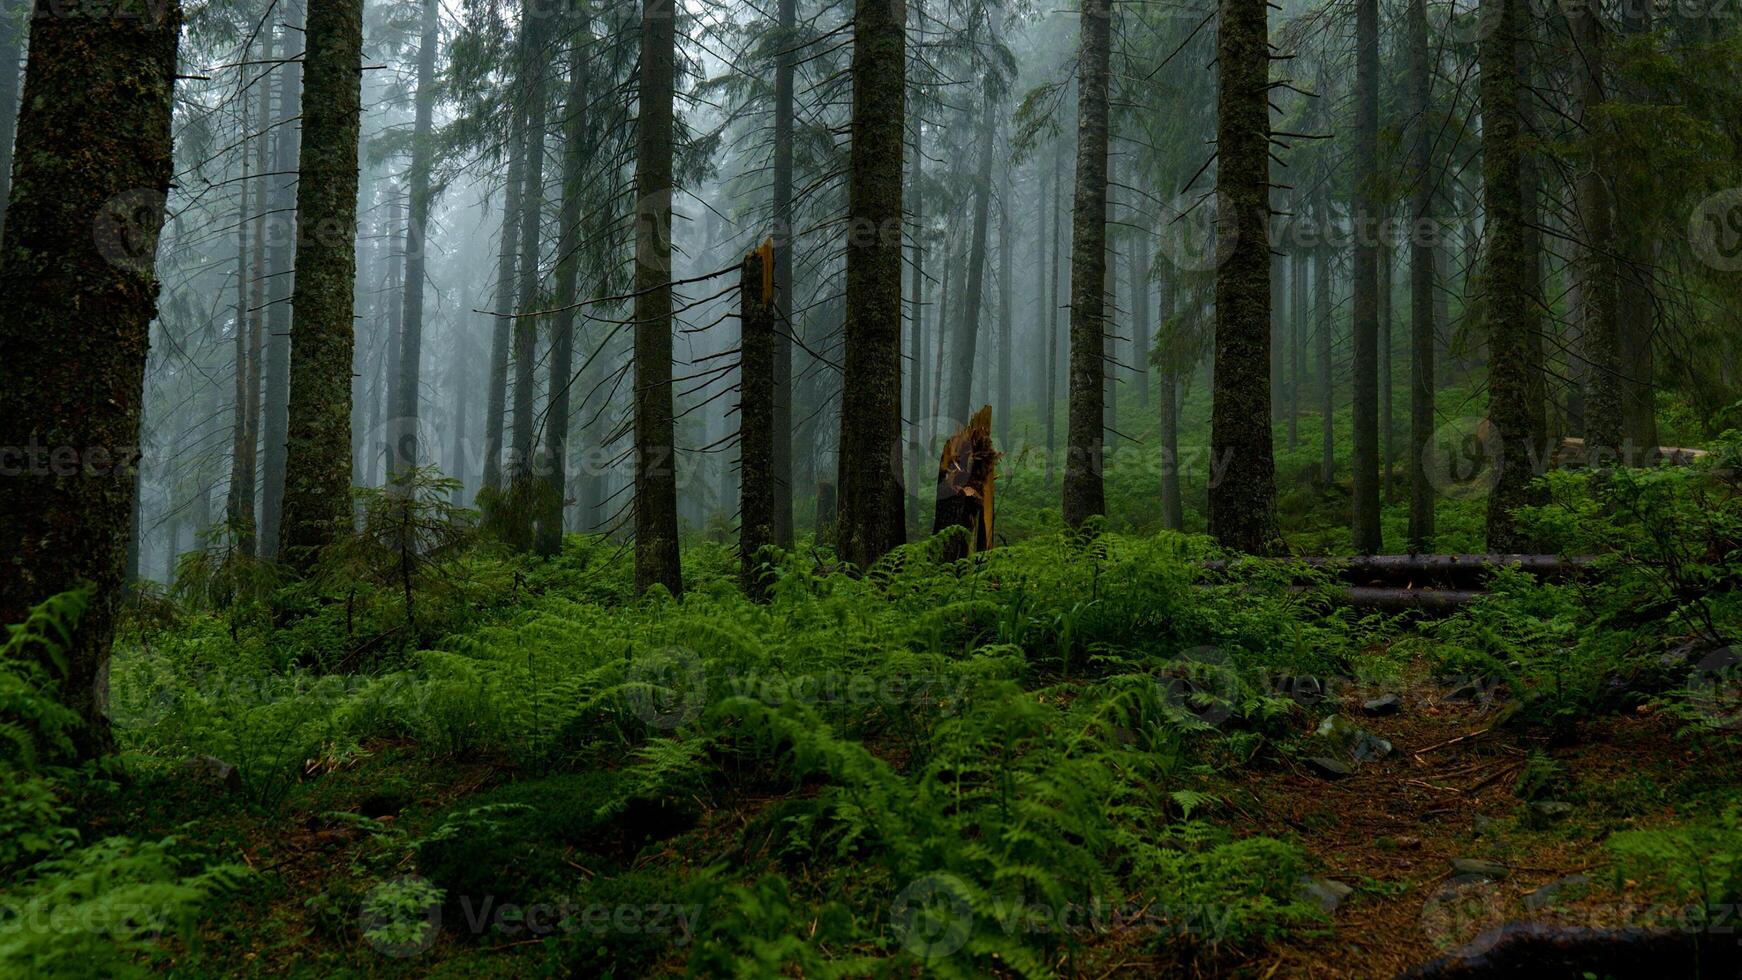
(967, 473)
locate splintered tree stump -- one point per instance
(967, 472)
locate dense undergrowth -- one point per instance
(993, 766)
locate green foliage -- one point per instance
(1699, 862)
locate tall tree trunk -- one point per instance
(77, 271)
(1510, 272)
(393, 293)
(784, 293)
(1327, 386)
(12, 37)
(1243, 501)
(1138, 272)
(656, 554)
(1055, 257)
(1636, 312)
(1298, 320)
(1421, 285)
(1006, 335)
(870, 496)
(1599, 275)
(1387, 430)
(1366, 532)
(522, 509)
(965, 352)
(756, 426)
(239, 502)
(1172, 508)
(1085, 493)
(507, 274)
(568, 270)
(282, 254)
(916, 405)
(410, 367)
(1530, 185)
(317, 486)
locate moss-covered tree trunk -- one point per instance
(1421, 284)
(916, 380)
(656, 555)
(1172, 506)
(1510, 271)
(317, 485)
(410, 367)
(554, 466)
(239, 501)
(92, 169)
(871, 518)
(1006, 331)
(964, 353)
(1365, 513)
(1599, 279)
(281, 248)
(1085, 494)
(785, 69)
(756, 425)
(502, 329)
(1243, 499)
(12, 35)
(521, 508)
(1054, 340)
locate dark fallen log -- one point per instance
(1572, 454)
(1540, 949)
(1458, 570)
(1398, 599)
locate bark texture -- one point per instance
(1421, 285)
(871, 520)
(1243, 500)
(785, 70)
(756, 423)
(410, 367)
(1365, 514)
(656, 557)
(1085, 494)
(78, 273)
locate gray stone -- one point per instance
(1329, 768)
(1478, 868)
(1552, 809)
(1545, 896)
(1370, 748)
(1328, 892)
(1388, 704)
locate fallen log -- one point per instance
(1572, 453)
(1445, 569)
(1542, 949)
(1398, 599)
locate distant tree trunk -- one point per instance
(656, 554)
(393, 294)
(1110, 307)
(1053, 340)
(507, 274)
(11, 53)
(239, 502)
(1635, 317)
(1172, 508)
(1366, 532)
(784, 72)
(410, 367)
(460, 375)
(283, 261)
(1510, 272)
(1421, 285)
(916, 303)
(317, 486)
(1243, 501)
(870, 494)
(1298, 319)
(1138, 272)
(77, 271)
(1530, 189)
(1327, 386)
(1387, 431)
(1006, 335)
(521, 508)
(965, 352)
(568, 271)
(1599, 275)
(1085, 494)
(756, 426)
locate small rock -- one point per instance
(1469, 691)
(1370, 748)
(1545, 896)
(1328, 892)
(1408, 843)
(1330, 768)
(1388, 704)
(1478, 868)
(212, 770)
(1482, 823)
(1552, 809)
